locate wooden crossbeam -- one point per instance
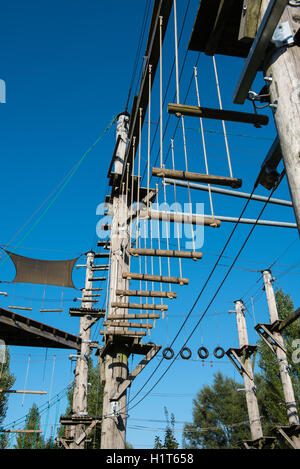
(186, 218)
(23, 308)
(79, 312)
(51, 310)
(133, 325)
(98, 279)
(155, 278)
(133, 316)
(147, 294)
(144, 362)
(20, 431)
(219, 114)
(165, 253)
(101, 255)
(123, 333)
(16, 391)
(196, 177)
(139, 306)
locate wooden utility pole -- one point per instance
(283, 68)
(247, 373)
(113, 432)
(279, 350)
(82, 364)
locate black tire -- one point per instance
(168, 353)
(219, 352)
(185, 353)
(203, 353)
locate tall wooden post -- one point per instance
(283, 364)
(252, 404)
(82, 364)
(283, 66)
(113, 432)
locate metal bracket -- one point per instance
(283, 35)
(239, 365)
(265, 333)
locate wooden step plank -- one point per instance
(127, 324)
(149, 307)
(101, 255)
(113, 317)
(51, 310)
(197, 177)
(112, 331)
(186, 218)
(218, 114)
(147, 294)
(79, 312)
(97, 279)
(165, 253)
(155, 278)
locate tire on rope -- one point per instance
(203, 353)
(219, 352)
(168, 353)
(185, 353)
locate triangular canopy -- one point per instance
(58, 273)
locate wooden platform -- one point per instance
(118, 323)
(165, 253)
(218, 114)
(266, 442)
(155, 278)
(23, 331)
(133, 316)
(79, 312)
(133, 344)
(124, 333)
(196, 177)
(222, 28)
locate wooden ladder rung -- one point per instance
(51, 310)
(97, 279)
(127, 324)
(139, 306)
(147, 294)
(219, 114)
(113, 317)
(124, 333)
(165, 253)
(155, 278)
(101, 255)
(197, 177)
(23, 308)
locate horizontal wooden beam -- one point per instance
(23, 308)
(124, 333)
(20, 431)
(79, 312)
(219, 114)
(165, 253)
(147, 294)
(97, 279)
(155, 278)
(51, 310)
(101, 255)
(139, 306)
(186, 218)
(16, 391)
(127, 324)
(197, 177)
(289, 320)
(133, 316)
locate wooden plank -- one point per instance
(51, 310)
(98, 279)
(197, 177)
(165, 253)
(250, 20)
(20, 431)
(186, 218)
(155, 278)
(133, 316)
(23, 308)
(219, 114)
(139, 306)
(16, 391)
(101, 255)
(289, 320)
(147, 294)
(124, 333)
(144, 362)
(118, 323)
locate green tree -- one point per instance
(218, 413)
(170, 441)
(220, 410)
(7, 380)
(32, 440)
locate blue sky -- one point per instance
(67, 67)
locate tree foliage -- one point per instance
(32, 440)
(170, 441)
(7, 380)
(220, 417)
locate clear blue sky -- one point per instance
(67, 67)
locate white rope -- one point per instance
(175, 197)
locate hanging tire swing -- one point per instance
(185, 353)
(168, 353)
(203, 353)
(219, 352)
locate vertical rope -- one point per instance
(159, 258)
(161, 90)
(52, 375)
(223, 123)
(203, 141)
(26, 378)
(175, 197)
(149, 136)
